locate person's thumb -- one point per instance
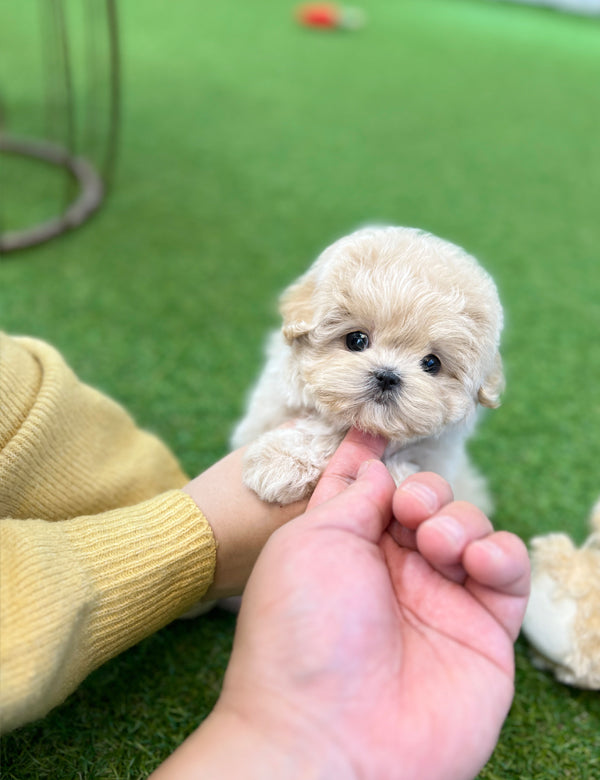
(364, 508)
(342, 470)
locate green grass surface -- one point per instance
(248, 144)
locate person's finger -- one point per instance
(498, 572)
(356, 448)
(420, 496)
(404, 537)
(363, 508)
(443, 538)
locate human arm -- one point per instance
(77, 592)
(100, 547)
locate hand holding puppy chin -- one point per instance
(375, 637)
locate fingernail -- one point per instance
(492, 549)
(450, 528)
(363, 468)
(425, 495)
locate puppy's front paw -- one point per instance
(281, 466)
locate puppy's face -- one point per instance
(396, 332)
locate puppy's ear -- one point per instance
(490, 391)
(297, 307)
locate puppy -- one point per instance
(391, 330)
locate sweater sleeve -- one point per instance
(131, 550)
(73, 594)
(66, 449)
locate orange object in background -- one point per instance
(329, 16)
(318, 15)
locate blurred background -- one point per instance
(223, 146)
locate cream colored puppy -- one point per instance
(391, 330)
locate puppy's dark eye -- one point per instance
(357, 341)
(431, 364)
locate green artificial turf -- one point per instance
(247, 145)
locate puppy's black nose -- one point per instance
(387, 379)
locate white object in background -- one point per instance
(587, 7)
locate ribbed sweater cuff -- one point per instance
(147, 564)
(77, 593)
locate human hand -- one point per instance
(241, 523)
(375, 637)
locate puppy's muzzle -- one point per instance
(387, 381)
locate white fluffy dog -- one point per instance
(392, 330)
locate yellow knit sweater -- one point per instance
(130, 553)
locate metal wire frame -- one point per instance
(91, 181)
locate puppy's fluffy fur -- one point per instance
(392, 330)
(562, 621)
